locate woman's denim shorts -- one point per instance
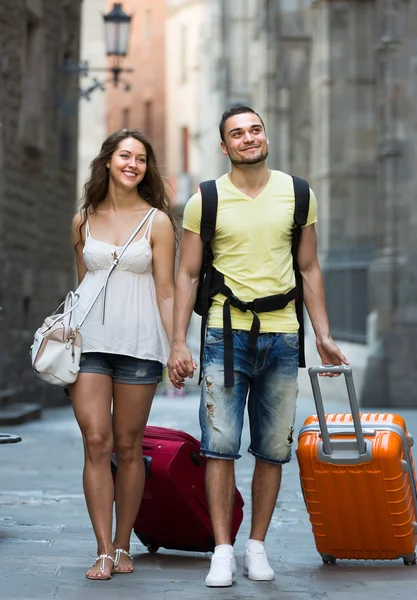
(121, 368)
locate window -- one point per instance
(67, 137)
(26, 312)
(183, 53)
(66, 147)
(185, 148)
(31, 123)
(148, 118)
(147, 24)
(27, 293)
(126, 118)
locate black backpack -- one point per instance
(211, 281)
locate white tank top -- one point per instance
(132, 323)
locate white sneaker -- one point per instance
(223, 568)
(255, 562)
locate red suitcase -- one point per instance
(174, 511)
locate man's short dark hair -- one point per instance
(236, 110)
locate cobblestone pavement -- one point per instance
(46, 542)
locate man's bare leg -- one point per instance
(220, 483)
(266, 484)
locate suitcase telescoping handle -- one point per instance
(354, 408)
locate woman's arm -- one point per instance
(163, 250)
(78, 244)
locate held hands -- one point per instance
(330, 354)
(180, 365)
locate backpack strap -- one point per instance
(302, 201)
(209, 204)
(302, 206)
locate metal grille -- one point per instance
(345, 276)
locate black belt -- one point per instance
(214, 284)
(259, 305)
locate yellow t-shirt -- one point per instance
(252, 248)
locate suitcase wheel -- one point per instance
(328, 559)
(410, 559)
(152, 549)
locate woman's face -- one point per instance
(128, 163)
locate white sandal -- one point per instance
(117, 554)
(102, 558)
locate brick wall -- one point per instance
(144, 106)
(37, 179)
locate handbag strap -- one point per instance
(113, 265)
(70, 302)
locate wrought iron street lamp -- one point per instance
(117, 32)
(117, 24)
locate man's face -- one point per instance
(245, 140)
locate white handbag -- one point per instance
(56, 348)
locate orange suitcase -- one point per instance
(358, 480)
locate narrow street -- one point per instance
(46, 542)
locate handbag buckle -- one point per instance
(71, 338)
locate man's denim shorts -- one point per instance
(267, 377)
(121, 368)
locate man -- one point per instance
(252, 249)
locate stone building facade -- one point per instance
(346, 90)
(336, 83)
(391, 375)
(38, 141)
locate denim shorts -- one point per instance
(121, 368)
(267, 377)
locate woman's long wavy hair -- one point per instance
(153, 188)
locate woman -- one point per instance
(123, 355)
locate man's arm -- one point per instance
(180, 363)
(314, 298)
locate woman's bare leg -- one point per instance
(132, 404)
(91, 397)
